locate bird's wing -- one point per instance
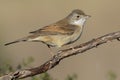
(56, 30)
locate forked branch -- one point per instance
(61, 55)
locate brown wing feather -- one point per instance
(56, 29)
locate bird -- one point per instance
(58, 34)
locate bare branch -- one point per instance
(61, 55)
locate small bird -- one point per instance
(60, 33)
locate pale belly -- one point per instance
(64, 40)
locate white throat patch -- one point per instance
(79, 22)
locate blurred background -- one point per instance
(18, 17)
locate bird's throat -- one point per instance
(80, 22)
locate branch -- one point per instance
(61, 55)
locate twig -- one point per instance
(61, 55)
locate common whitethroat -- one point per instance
(60, 33)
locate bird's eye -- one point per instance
(78, 16)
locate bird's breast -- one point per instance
(76, 35)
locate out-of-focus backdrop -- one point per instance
(18, 17)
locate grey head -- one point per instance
(77, 17)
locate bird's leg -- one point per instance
(51, 52)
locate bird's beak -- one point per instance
(87, 16)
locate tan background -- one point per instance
(18, 17)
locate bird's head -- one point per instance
(77, 17)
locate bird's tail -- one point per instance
(19, 40)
